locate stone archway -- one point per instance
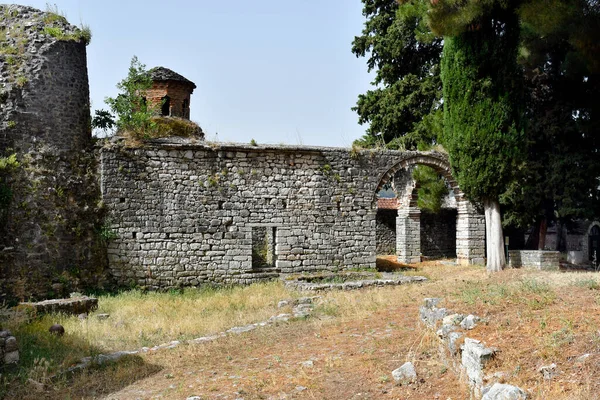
(470, 223)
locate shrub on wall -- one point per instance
(134, 118)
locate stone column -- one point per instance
(470, 234)
(408, 235)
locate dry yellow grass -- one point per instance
(139, 319)
(355, 340)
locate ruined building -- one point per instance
(170, 93)
(177, 212)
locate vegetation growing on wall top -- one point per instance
(134, 118)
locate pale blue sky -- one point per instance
(270, 70)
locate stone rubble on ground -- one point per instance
(548, 371)
(353, 285)
(500, 391)
(405, 374)
(474, 357)
(469, 322)
(469, 359)
(430, 313)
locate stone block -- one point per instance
(72, 306)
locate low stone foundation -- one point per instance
(73, 306)
(466, 357)
(534, 259)
(9, 349)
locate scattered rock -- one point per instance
(469, 322)
(405, 374)
(12, 357)
(82, 316)
(453, 319)
(582, 358)
(10, 344)
(430, 314)
(57, 329)
(307, 364)
(496, 377)
(307, 300)
(283, 303)
(102, 317)
(445, 330)
(548, 371)
(241, 329)
(453, 342)
(500, 391)
(300, 388)
(194, 398)
(474, 357)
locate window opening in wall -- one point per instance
(166, 106)
(186, 108)
(263, 246)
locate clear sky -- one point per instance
(271, 70)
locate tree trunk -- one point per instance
(533, 240)
(543, 230)
(493, 236)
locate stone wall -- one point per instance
(535, 259)
(9, 348)
(386, 231)
(50, 214)
(185, 214)
(438, 234)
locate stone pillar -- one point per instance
(408, 235)
(470, 234)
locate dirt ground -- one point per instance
(348, 348)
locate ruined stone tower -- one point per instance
(170, 93)
(48, 215)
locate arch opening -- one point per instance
(166, 106)
(458, 230)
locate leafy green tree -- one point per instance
(432, 188)
(403, 110)
(559, 180)
(482, 86)
(104, 121)
(130, 107)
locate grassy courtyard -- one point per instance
(346, 349)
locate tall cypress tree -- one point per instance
(482, 87)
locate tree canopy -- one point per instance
(546, 166)
(403, 109)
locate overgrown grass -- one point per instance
(533, 293)
(138, 319)
(162, 127)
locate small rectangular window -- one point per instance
(263, 246)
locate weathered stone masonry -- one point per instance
(48, 244)
(185, 213)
